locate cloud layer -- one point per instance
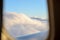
(21, 24)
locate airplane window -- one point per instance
(25, 20)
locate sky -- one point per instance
(35, 8)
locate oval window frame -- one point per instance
(51, 20)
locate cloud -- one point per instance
(21, 24)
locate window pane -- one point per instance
(26, 19)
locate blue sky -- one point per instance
(29, 7)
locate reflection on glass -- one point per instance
(26, 19)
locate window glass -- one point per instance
(25, 19)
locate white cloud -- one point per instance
(22, 24)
